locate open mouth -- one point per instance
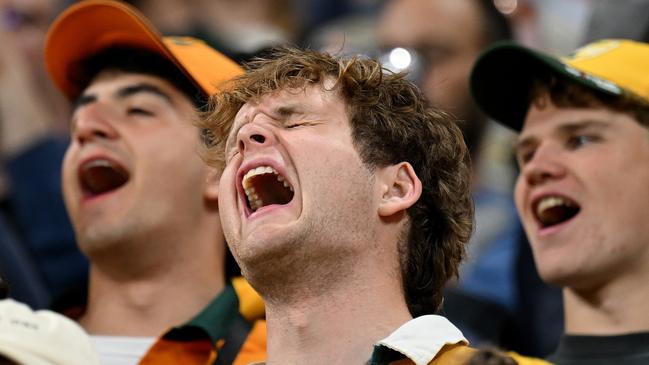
(264, 186)
(101, 176)
(553, 210)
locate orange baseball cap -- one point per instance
(91, 26)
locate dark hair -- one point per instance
(138, 61)
(391, 122)
(565, 92)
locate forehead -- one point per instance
(547, 119)
(111, 80)
(286, 103)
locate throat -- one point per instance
(146, 307)
(316, 334)
(349, 319)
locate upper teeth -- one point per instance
(253, 198)
(551, 202)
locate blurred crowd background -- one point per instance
(498, 298)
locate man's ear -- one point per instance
(401, 188)
(211, 189)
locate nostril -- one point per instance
(258, 138)
(88, 134)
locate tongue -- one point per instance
(101, 176)
(271, 191)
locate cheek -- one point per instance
(68, 172)
(519, 196)
(227, 189)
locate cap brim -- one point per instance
(88, 27)
(91, 26)
(502, 78)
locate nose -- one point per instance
(254, 135)
(547, 164)
(93, 121)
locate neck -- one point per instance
(145, 293)
(339, 326)
(616, 308)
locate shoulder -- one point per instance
(251, 305)
(455, 354)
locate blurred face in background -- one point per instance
(24, 24)
(448, 36)
(28, 20)
(444, 38)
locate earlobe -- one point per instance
(402, 189)
(211, 190)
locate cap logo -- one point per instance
(20, 323)
(593, 50)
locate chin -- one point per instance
(556, 275)
(572, 279)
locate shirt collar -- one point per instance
(213, 321)
(419, 340)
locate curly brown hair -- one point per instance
(391, 122)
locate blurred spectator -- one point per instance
(316, 14)
(240, 28)
(619, 19)
(439, 58)
(26, 21)
(487, 298)
(31, 147)
(341, 27)
(42, 337)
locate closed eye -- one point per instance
(294, 125)
(139, 111)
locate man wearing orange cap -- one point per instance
(142, 202)
(583, 152)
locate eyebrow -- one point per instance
(286, 111)
(280, 113)
(124, 93)
(563, 129)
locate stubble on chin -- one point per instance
(101, 240)
(294, 267)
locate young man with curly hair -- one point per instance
(346, 201)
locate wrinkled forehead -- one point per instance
(308, 99)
